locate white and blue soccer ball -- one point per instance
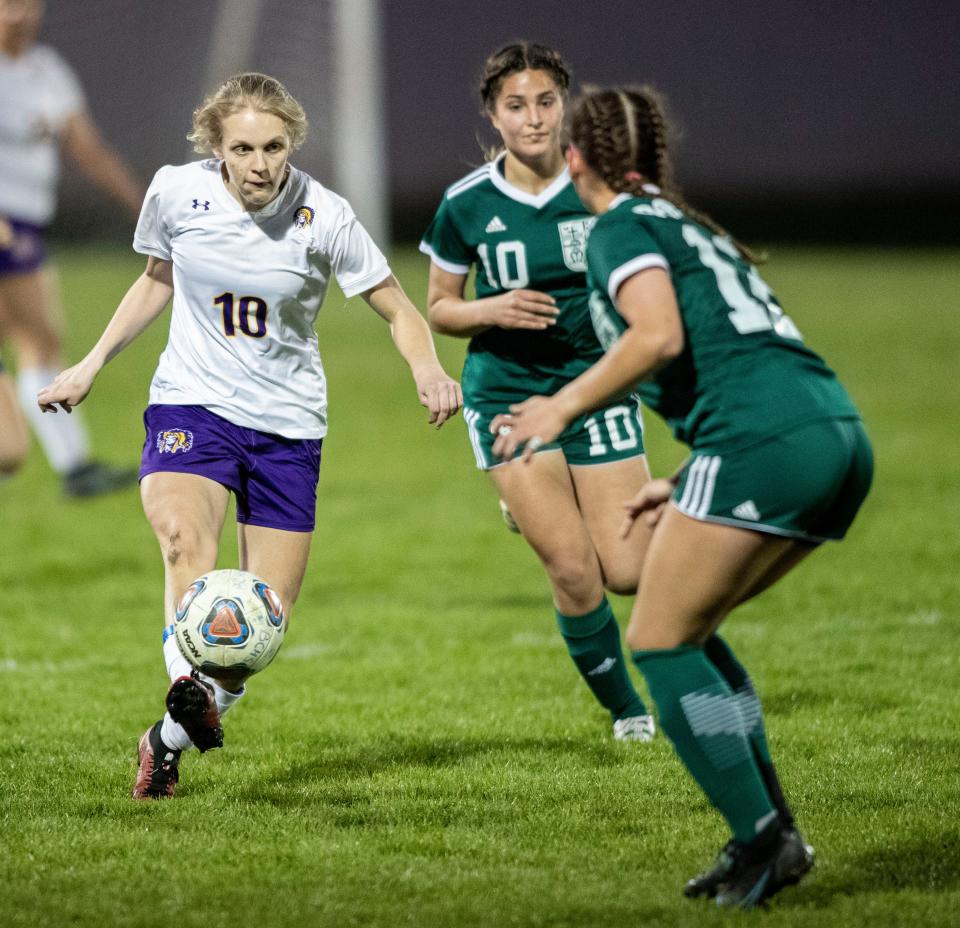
(229, 624)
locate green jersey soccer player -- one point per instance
(519, 222)
(779, 462)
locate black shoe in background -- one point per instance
(96, 478)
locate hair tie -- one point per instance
(633, 176)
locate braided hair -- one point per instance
(622, 134)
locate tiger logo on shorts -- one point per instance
(173, 440)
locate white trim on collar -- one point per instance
(651, 190)
(521, 196)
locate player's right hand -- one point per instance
(68, 390)
(650, 502)
(521, 309)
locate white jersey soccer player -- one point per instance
(244, 245)
(43, 115)
(40, 94)
(247, 290)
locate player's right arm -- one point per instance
(450, 314)
(144, 301)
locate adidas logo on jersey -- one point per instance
(496, 225)
(747, 510)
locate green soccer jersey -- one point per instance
(518, 241)
(744, 374)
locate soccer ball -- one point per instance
(229, 624)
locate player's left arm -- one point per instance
(439, 393)
(82, 142)
(654, 337)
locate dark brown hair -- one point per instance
(516, 57)
(622, 133)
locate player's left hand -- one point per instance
(439, 393)
(531, 425)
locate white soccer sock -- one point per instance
(172, 734)
(177, 665)
(63, 437)
(225, 699)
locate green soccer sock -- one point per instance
(593, 641)
(722, 657)
(702, 717)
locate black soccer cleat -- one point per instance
(191, 703)
(159, 770)
(760, 872)
(96, 478)
(709, 882)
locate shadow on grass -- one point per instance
(924, 864)
(792, 700)
(70, 574)
(338, 775)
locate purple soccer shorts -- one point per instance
(26, 252)
(273, 478)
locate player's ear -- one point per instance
(574, 158)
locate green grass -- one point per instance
(422, 752)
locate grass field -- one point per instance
(422, 751)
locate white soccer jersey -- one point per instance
(38, 94)
(247, 290)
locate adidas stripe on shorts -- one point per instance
(806, 483)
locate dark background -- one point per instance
(809, 121)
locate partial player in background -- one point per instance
(519, 220)
(245, 244)
(14, 439)
(779, 463)
(42, 111)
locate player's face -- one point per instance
(19, 22)
(528, 114)
(254, 149)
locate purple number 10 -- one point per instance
(249, 313)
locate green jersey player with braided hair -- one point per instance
(779, 463)
(519, 221)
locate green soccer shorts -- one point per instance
(806, 483)
(611, 433)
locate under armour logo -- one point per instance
(206, 204)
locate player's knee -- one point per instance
(183, 541)
(37, 346)
(13, 453)
(50, 347)
(574, 577)
(621, 579)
